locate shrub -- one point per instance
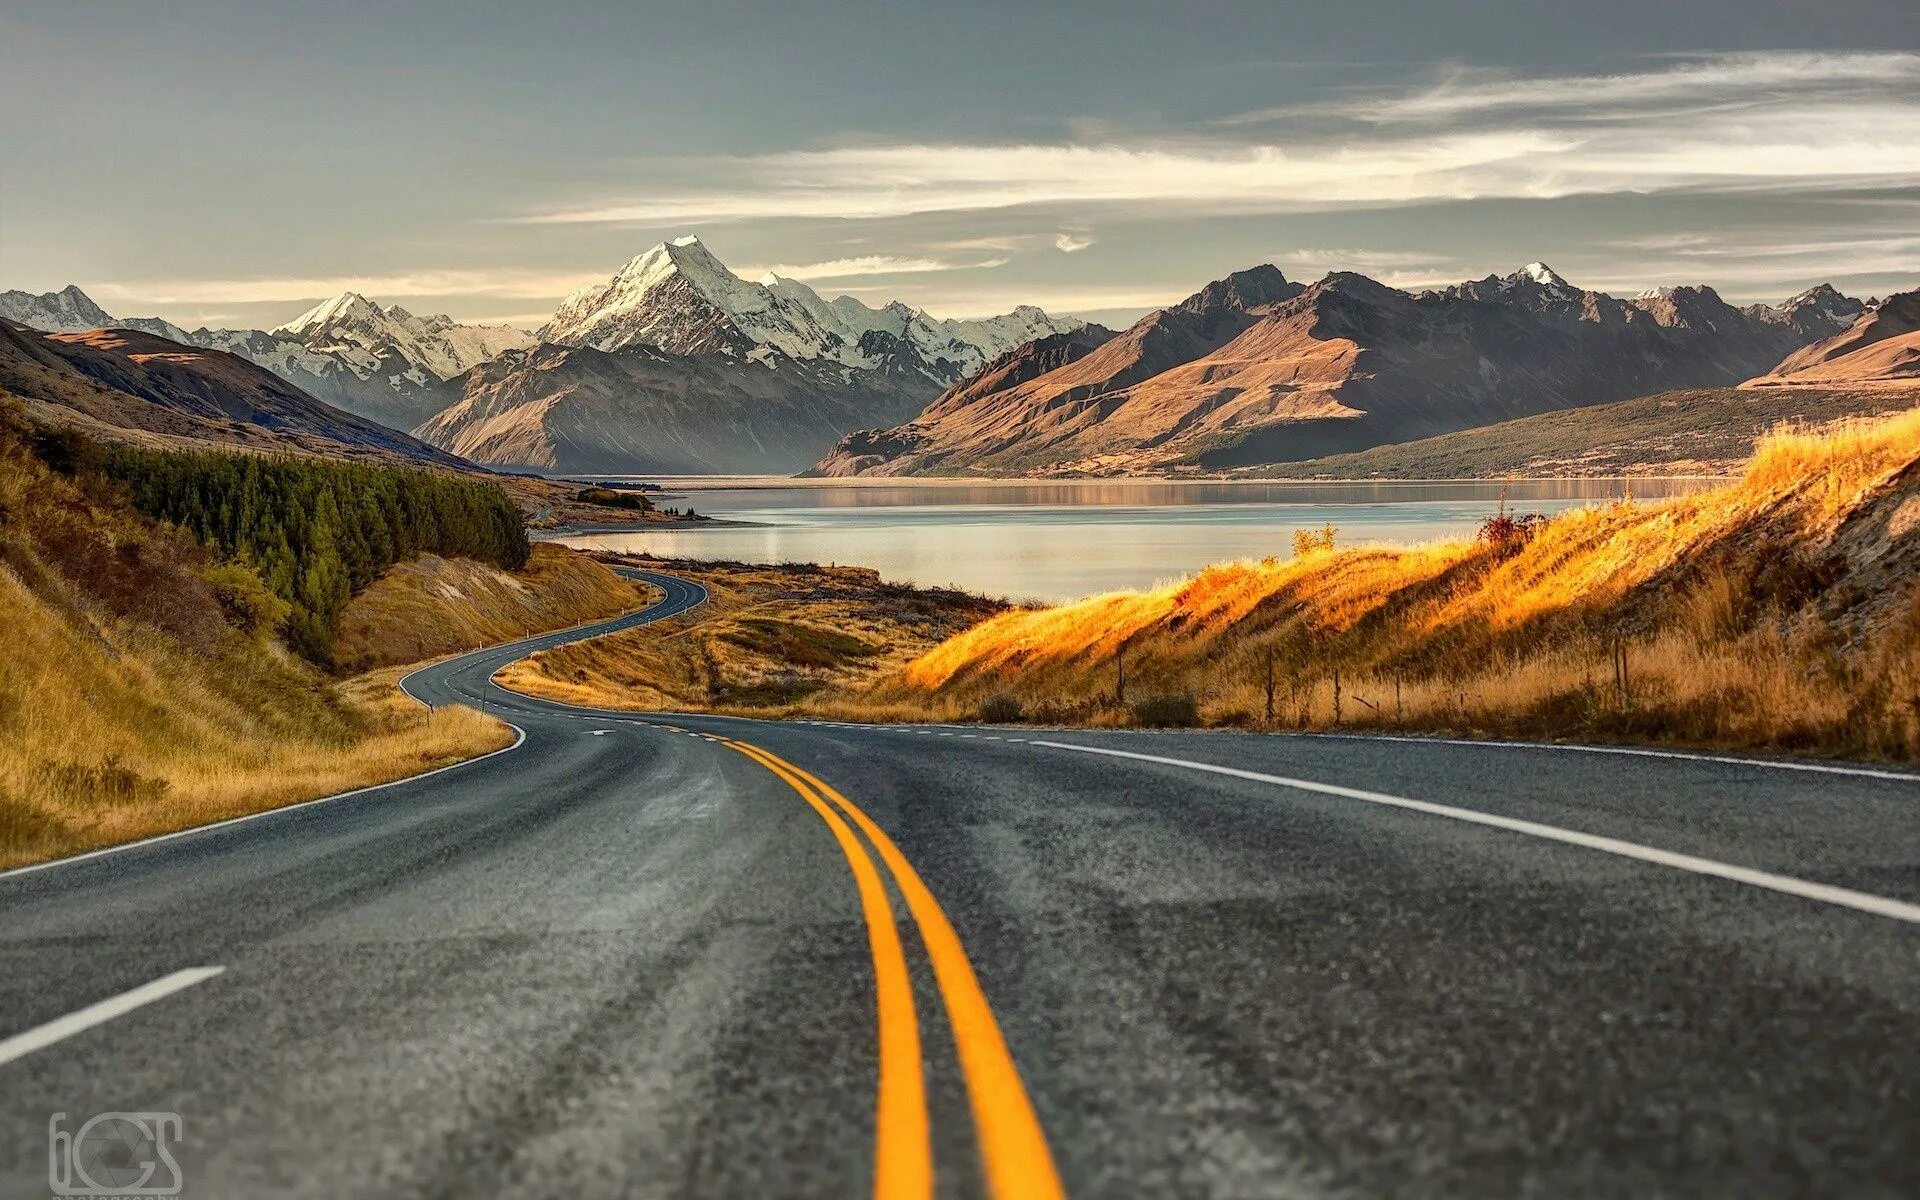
(1313, 541)
(1177, 710)
(246, 599)
(1001, 708)
(1510, 532)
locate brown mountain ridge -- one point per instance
(1258, 369)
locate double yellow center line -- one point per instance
(1013, 1148)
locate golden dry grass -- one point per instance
(110, 732)
(767, 638)
(1780, 611)
(133, 702)
(432, 606)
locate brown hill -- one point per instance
(124, 384)
(1016, 416)
(1256, 370)
(1881, 349)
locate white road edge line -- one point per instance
(1634, 751)
(41, 1036)
(520, 735)
(1865, 902)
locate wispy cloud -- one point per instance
(1782, 121)
(1399, 268)
(1072, 243)
(869, 264)
(1061, 299)
(491, 284)
(1696, 82)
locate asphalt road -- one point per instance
(695, 956)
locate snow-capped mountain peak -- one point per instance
(679, 298)
(391, 341)
(347, 306)
(1543, 276)
(68, 310)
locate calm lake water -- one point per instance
(1058, 541)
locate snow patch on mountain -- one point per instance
(680, 298)
(364, 335)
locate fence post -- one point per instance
(1399, 715)
(1336, 695)
(1269, 687)
(1120, 685)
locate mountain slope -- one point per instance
(1025, 420)
(1706, 431)
(119, 381)
(1880, 349)
(1286, 374)
(581, 410)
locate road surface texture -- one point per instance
(695, 956)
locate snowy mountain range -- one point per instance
(383, 363)
(679, 298)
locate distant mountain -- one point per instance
(1256, 369)
(383, 363)
(676, 364)
(397, 359)
(1880, 349)
(576, 409)
(68, 310)
(126, 384)
(1820, 311)
(679, 298)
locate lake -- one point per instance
(1058, 541)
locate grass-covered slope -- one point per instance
(315, 530)
(766, 637)
(1707, 431)
(1782, 610)
(431, 605)
(142, 689)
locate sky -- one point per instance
(232, 163)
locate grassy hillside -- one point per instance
(1709, 431)
(432, 606)
(767, 636)
(1780, 611)
(143, 689)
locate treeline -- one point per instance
(317, 531)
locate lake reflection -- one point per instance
(1057, 541)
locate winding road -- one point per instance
(664, 955)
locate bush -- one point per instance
(610, 498)
(1001, 708)
(1175, 710)
(246, 599)
(1510, 532)
(1313, 541)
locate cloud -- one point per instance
(1072, 243)
(1695, 82)
(870, 264)
(497, 284)
(1059, 299)
(1791, 122)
